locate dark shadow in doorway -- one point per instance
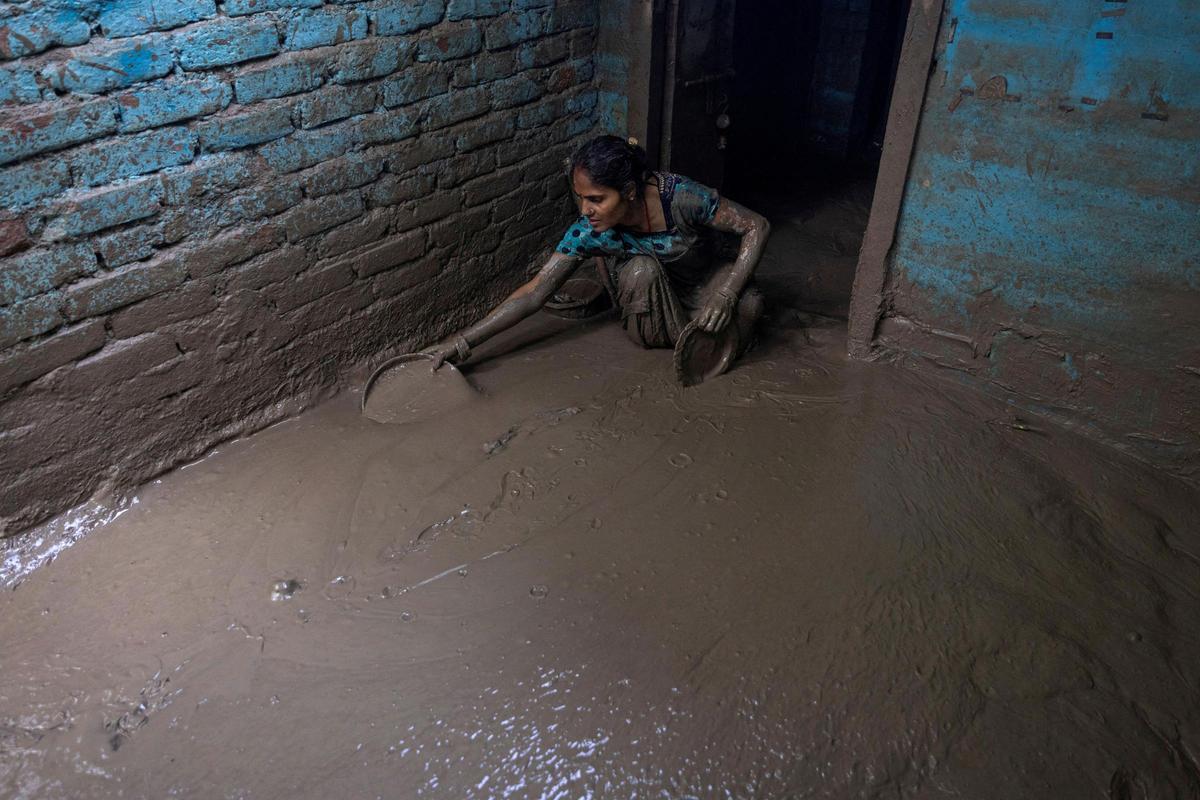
(811, 96)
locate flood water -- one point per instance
(808, 578)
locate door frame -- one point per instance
(899, 142)
(904, 117)
(668, 83)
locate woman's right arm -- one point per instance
(518, 305)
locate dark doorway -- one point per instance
(783, 106)
(697, 75)
(808, 109)
(812, 87)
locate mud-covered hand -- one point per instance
(716, 312)
(455, 350)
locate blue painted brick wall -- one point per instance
(38, 30)
(257, 126)
(18, 86)
(37, 128)
(134, 17)
(395, 19)
(475, 9)
(223, 42)
(190, 180)
(172, 101)
(111, 65)
(133, 155)
(325, 26)
(289, 75)
(235, 8)
(457, 43)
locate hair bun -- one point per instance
(611, 161)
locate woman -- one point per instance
(647, 221)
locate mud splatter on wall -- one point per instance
(210, 213)
(1048, 241)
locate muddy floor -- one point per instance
(810, 578)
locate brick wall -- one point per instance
(212, 210)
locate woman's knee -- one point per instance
(640, 273)
(647, 330)
(751, 303)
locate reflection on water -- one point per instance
(22, 555)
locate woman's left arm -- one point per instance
(754, 229)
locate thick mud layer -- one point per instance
(807, 578)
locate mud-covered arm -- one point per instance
(517, 306)
(754, 229)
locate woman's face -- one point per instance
(603, 206)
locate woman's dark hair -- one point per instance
(613, 162)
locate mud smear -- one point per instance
(808, 578)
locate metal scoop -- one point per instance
(700, 355)
(406, 389)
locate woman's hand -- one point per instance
(455, 350)
(716, 312)
(441, 354)
(519, 305)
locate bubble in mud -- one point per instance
(538, 591)
(284, 589)
(680, 460)
(462, 572)
(386, 592)
(407, 616)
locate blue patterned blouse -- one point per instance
(687, 206)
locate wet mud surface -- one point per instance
(808, 578)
